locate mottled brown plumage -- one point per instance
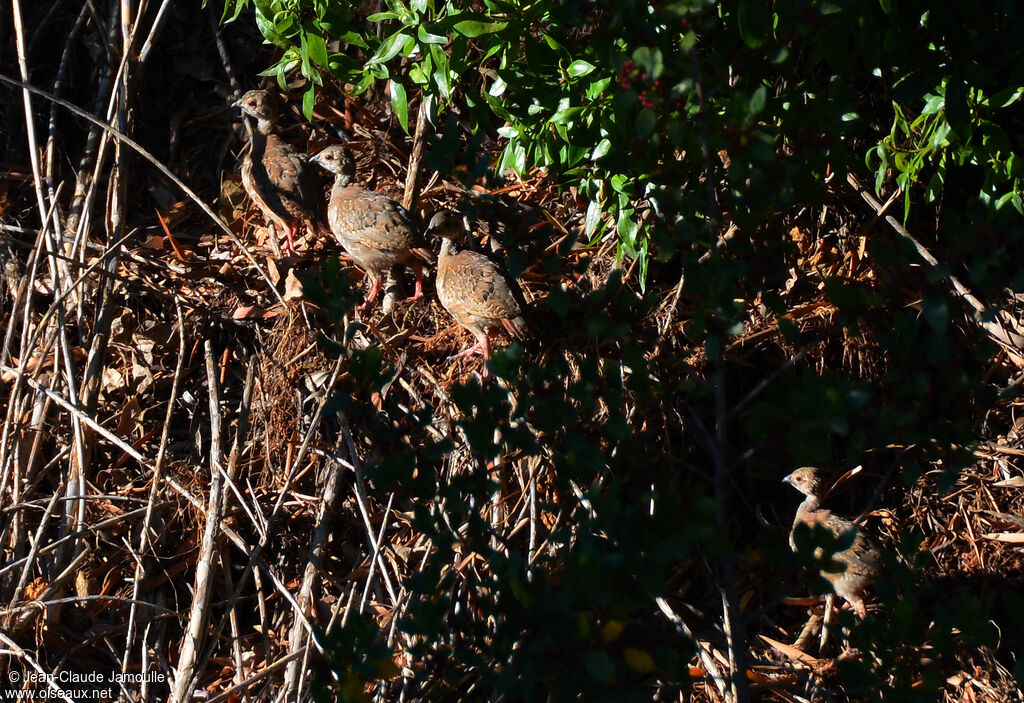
(275, 175)
(472, 287)
(376, 231)
(861, 560)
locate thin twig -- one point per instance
(185, 674)
(296, 638)
(1011, 342)
(707, 658)
(139, 149)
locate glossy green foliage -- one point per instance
(637, 104)
(956, 103)
(673, 120)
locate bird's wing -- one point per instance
(373, 220)
(290, 179)
(479, 287)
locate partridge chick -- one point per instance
(275, 175)
(376, 231)
(861, 559)
(472, 287)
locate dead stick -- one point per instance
(707, 658)
(1010, 341)
(184, 675)
(416, 160)
(298, 636)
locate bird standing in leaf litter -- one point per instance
(861, 560)
(472, 288)
(376, 231)
(275, 175)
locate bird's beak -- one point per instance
(316, 160)
(789, 480)
(237, 103)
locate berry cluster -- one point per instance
(651, 96)
(626, 75)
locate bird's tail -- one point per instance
(518, 327)
(424, 254)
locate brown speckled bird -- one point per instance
(472, 287)
(376, 231)
(275, 175)
(861, 560)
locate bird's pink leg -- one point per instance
(289, 234)
(486, 342)
(372, 295)
(478, 347)
(417, 267)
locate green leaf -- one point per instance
(644, 260)
(440, 74)
(1007, 97)
(381, 16)
(758, 100)
(565, 115)
(579, 68)
(938, 137)
(353, 38)
(574, 155)
(317, 48)
(651, 60)
(282, 75)
(363, 84)
(553, 43)
(417, 76)
(304, 55)
(235, 10)
(646, 121)
(753, 21)
(627, 228)
(399, 104)
(428, 33)
(389, 48)
(621, 183)
(688, 41)
(476, 28)
(595, 89)
(519, 159)
(593, 218)
(270, 32)
(430, 105)
(602, 148)
(308, 100)
(497, 87)
(932, 104)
